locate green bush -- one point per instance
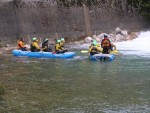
(143, 6)
(2, 90)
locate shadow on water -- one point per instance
(75, 85)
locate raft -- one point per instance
(42, 54)
(102, 57)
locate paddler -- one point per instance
(59, 48)
(106, 45)
(21, 45)
(94, 49)
(34, 47)
(45, 46)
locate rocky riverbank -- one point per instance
(116, 36)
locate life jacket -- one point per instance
(20, 44)
(45, 45)
(106, 43)
(58, 47)
(94, 49)
(62, 44)
(34, 46)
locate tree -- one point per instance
(145, 8)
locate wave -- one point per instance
(139, 46)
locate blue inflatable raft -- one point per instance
(102, 57)
(42, 54)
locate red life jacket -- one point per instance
(105, 43)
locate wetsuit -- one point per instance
(45, 47)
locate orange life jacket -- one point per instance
(20, 44)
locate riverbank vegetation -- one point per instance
(2, 91)
(142, 6)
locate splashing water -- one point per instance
(139, 46)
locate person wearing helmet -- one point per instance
(59, 48)
(94, 49)
(21, 45)
(34, 47)
(106, 45)
(93, 41)
(45, 46)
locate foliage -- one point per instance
(69, 3)
(2, 90)
(145, 8)
(142, 6)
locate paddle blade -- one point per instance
(84, 51)
(114, 52)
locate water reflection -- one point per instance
(75, 85)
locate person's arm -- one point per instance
(57, 47)
(99, 49)
(90, 48)
(113, 45)
(21, 44)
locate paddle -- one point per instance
(84, 51)
(53, 52)
(112, 52)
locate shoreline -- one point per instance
(118, 36)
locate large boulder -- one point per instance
(94, 36)
(111, 37)
(118, 30)
(88, 39)
(100, 37)
(119, 37)
(124, 33)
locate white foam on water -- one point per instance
(139, 46)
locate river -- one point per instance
(79, 85)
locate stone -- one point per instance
(98, 39)
(117, 30)
(124, 33)
(88, 39)
(119, 37)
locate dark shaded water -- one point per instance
(76, 85)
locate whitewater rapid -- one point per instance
(139, 46)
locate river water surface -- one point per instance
(79, 85)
